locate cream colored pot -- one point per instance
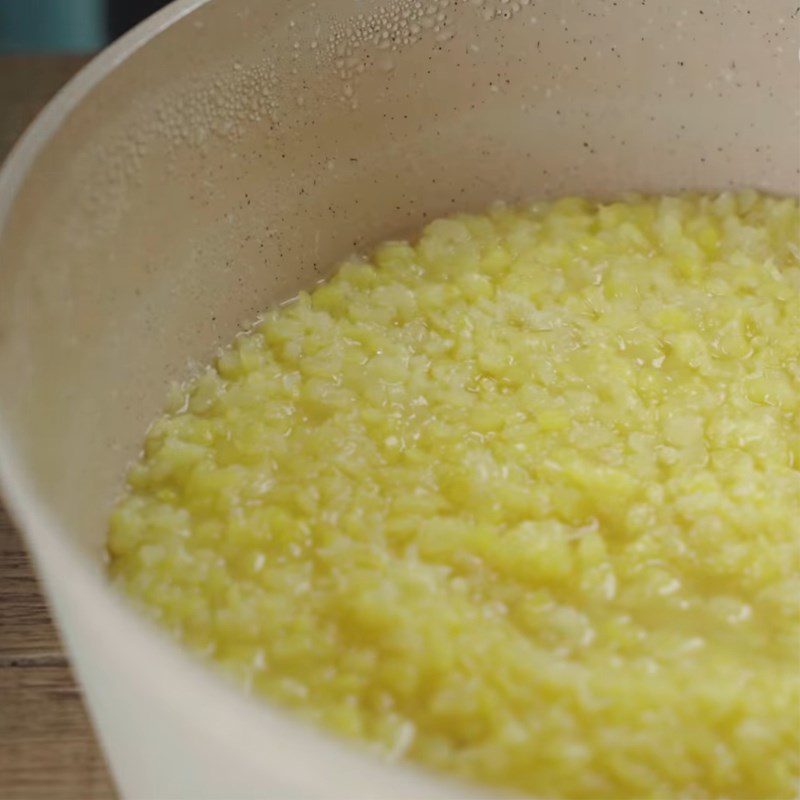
(227, 153)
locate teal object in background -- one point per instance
(35, 26)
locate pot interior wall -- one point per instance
(233, 159)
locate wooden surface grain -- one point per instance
(47, 747)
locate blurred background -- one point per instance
(67, 26)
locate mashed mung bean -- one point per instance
(520, 501)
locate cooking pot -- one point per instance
(226, 154)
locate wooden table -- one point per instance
(47, 747)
